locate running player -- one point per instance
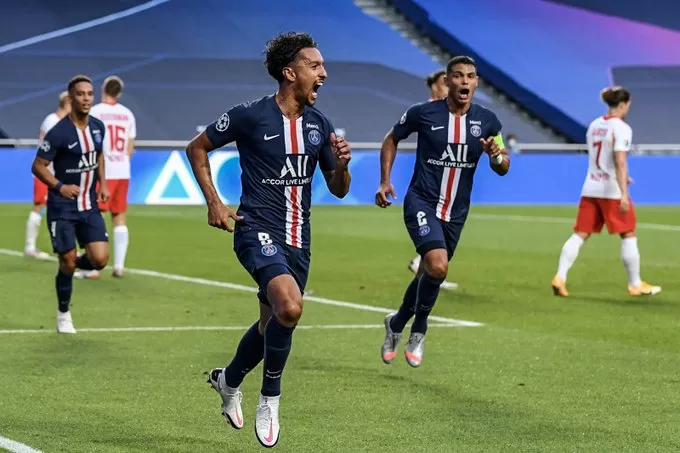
(436, 82)
(121, 130)
(604, 197)
(39, 189)
(453, 133)
(280, 139)
(74, 147)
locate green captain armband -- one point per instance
(499, 140)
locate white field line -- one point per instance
(251, 289)
(566, 220)
(78, 27)
(207, 328)
(16, 447)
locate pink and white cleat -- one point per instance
(414, 349)
(267, 421)
(389, 347)
(231, 398)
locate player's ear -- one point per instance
(289, 74)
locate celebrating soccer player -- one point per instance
(453, 133)
(280, 139)
(74, 147)
(604, 196)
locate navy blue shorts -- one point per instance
(86, 227)
(426, 230)
(265, 258)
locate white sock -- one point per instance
(120, 246)
(569, 254)
(32, 230)
(631, 260)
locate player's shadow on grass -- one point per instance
(627, 301)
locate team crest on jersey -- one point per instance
(475, 130)
(314, 137)
(269, 250)
(424, 230)
(222, 122)
(97, 137)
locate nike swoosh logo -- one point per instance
(270, 437)
(436, 128)
(269, 137)
(72, 145)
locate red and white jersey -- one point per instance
(121, 127)
(605, 136)
(48, 123)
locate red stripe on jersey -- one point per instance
(452, 171)
(294, 189)
(87, 174)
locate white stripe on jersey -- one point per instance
(84, 200)
(457, 132)
(294, 142)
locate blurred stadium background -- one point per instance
(542, 65)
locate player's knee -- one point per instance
(99, 261)
(67, 262)
(437, 266)
(291, 311)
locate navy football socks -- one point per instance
(407, 308)
(277, 342)
(428, 290)
(83, 262)
(249, 353)
(64, 286)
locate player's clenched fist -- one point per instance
(491, 147)
(70, 191)
(219, 215)
(385, 189)
(103, 193)
(341, 150)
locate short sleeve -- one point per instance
(228, 127)
(495, 125)
(408, 123)
(48, 147)
(623, 136)
(326, 158)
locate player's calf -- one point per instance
(64, 289)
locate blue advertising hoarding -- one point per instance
(165, 178)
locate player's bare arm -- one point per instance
(131, 147)
(338, 179)
(388, 152)
(621, 166)
(218, 214)
(498, 156)
(103, 191)
(42, 172)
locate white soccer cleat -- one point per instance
(414, 264)
(65, 323)
(90, 275)
(267, 421)
(415, 349)
(388, 351)
(231, 398)
(37, 254)
(118, 273)
(448, 285)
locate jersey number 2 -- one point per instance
(116, 137)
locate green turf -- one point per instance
(597, 372)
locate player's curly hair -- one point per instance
(282, 49)
(434, 77)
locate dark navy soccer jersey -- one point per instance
(74, 154)
(447, 153)
(278, 157)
